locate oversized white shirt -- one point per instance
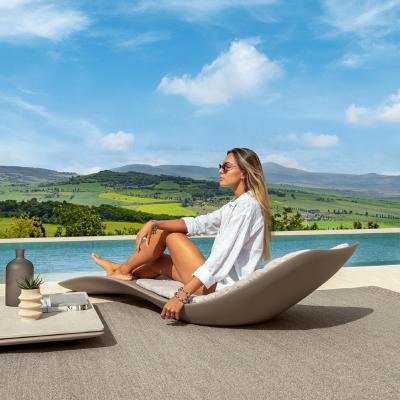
(238, 245)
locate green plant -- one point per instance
(30, 283)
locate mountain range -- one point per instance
(373, 184)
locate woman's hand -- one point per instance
(172, 309)
(146, 232)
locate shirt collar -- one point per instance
(234, 200)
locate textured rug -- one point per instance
(335, 344)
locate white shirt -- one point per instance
(238, 245)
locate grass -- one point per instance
(129, 199)
(172, 209)
(111, 226)
(346, 224)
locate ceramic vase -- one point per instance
(16, 270)
(30, 306)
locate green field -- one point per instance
(327, 208)
(129, 199)
(111, 226)
(172, 209)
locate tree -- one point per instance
(357, 225)
(23, 226)
(79, 220)
(287, 221)
(372, 225)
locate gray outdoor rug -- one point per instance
(335, 344)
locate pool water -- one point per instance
(60, 260)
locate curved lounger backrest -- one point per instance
(265, 294)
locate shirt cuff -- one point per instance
(189, 225)
(205, 276)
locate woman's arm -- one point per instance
(150, 227)
(174, 306)
(171, 225)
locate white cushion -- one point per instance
(167, 287)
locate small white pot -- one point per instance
(30, 306)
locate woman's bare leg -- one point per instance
(186, 258)
(146, 255)
(150, 262)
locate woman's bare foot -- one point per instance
(121, 276)
(109, 266)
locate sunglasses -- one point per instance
(226, 167)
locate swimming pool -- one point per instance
(59, 260)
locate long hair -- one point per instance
(249, 162)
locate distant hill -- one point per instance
(22, 175)
(373, 184)
(188, 171)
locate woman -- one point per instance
(242, 229)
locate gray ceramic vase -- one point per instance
(16, 270)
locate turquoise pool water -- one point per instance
(59, 260)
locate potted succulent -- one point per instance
(30, 306)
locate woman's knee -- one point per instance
(173, 237)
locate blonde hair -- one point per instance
(249, 163)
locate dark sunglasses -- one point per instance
(225, 167)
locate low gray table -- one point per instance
(60, 325)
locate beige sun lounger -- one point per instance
(268, 292)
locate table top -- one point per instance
(71, 324)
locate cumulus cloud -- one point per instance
(320, 141)
(387, 112)
(239, 72)
(118, 141)
(45, 19)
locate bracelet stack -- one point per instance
(183, 300)
(154, 227)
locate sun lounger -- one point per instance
(266, 293)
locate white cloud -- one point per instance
(310, 140)
(77, 127)
(387, 112)
(239, 72)
(118, 141)
(368, 25)
(362, 18)
(282, 160)
(352, 60)
(144, 39)
(197, 8)
(45, 19)
(320, 141)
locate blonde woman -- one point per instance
(242, 229)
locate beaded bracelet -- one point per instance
(154, 227)
(184, 291)
(184, 301)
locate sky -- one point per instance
(93, 85)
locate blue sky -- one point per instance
(86, 86)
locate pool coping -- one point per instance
(133, 237)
